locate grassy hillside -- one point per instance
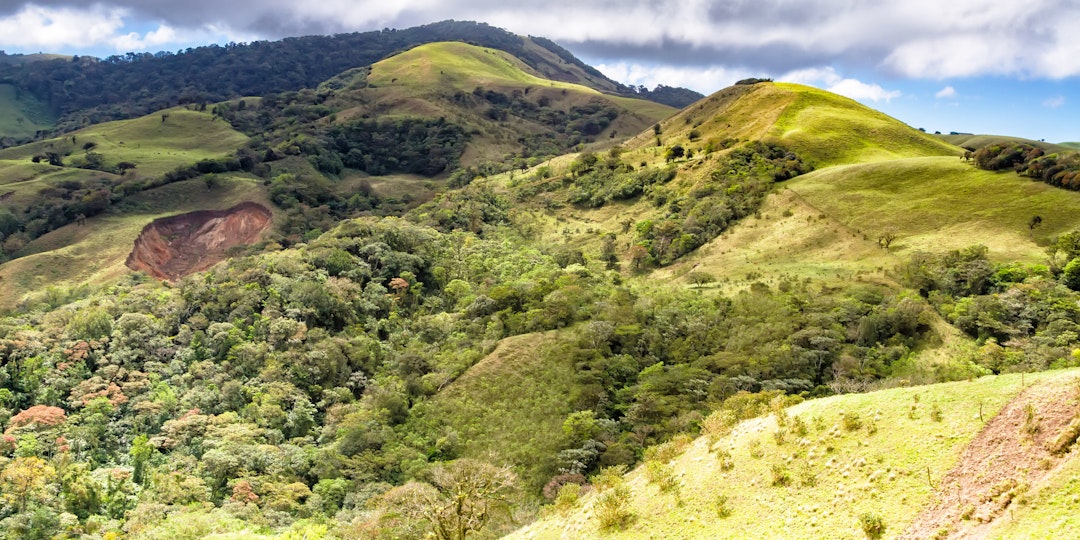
(21, 116)
(823, 128)
(882, 453)
(428, 80)
(979, 141)
(94, 252)
(832, 129)
(460, 66)
(941, 203)
(155, 145)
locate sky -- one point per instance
(977, 66)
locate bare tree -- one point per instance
(462, 498)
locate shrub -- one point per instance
(567, 498)
(612, 508)
(555, 486)
(723, 506)
(725, 460)
(851, 421)
(718, 425)
(608, 477)
(780, 475)
(755, 449)
(663, 476)
(668, 451)
(935, 413)
(873, 525)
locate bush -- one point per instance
(663, 476)
(873, 525)
(780, 475)
(723, 506)
(725, 460)
(851, 421)
(612, 508)
(567, 498)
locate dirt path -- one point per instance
(1012, 454)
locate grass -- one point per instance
(511, 404)
(460, 66)
(22, 116)
(154, 146)
(424, 81)
(96, 252)
(789, 240)
(979, 141)
(941, 203)
(827, 129)
(887, 466)
(1053, 511)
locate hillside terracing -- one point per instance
(173, 247)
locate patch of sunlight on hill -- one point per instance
(828, 129)
(941, 203)
(156, 143)
(881, 452)
(461, 66)
(21, 116)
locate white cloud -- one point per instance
(1054, 102)
(155, 38)
(832, 81)
(946, 93)
(706, 81)
(922, 39)
(51, 29)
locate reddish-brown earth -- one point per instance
(1016, 450)
(173, 247)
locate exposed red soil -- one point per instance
(173, 247)
(1010, 456)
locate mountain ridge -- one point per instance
(83, 90)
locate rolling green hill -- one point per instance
(886, 454)
(21, 115)
(155, 143)
(822, 127)
(979, 141)
(482, 105)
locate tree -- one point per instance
(25, 478)
(462, 498)
(675, 152)
(887, 237)
(638, 255)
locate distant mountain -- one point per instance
(19, 59)
(83, 91)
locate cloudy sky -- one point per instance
(983, 66)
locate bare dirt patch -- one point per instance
(1011, 455)
(173, 247)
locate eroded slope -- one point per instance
(173, 247)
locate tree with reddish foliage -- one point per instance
(38, 415)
